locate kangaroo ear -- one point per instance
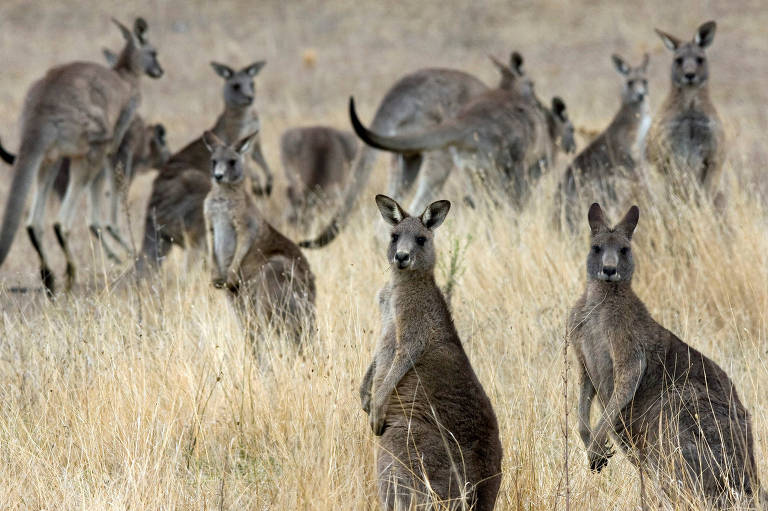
(160, 133)
(390, 210)
(705, 34)
(127, 34)
(244, 144)
(109, 56)
(596, 218)
(503, 69)
(671, 42)
(516, 62)
(629, 222)
(620, 65)
(559, 109)
(254, 68)
(646, 60)
(435, 213)
(211, 141)
(225, 72)
(140, 29)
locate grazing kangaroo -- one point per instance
(265, 273)
(687, 139)
(417, 101)
(79, 111)
(437, 426)
(175, 211)
(671, 409)
(499, 130)
(316, 161)
(615, 152)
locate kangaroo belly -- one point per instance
(223, 241)
(692, 138)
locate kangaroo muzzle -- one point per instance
(609, 271)
(402, 260)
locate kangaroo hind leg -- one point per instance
(45, 179)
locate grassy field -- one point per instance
(149, 397)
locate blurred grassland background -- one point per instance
(150, 398)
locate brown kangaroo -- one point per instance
(687, 139)
(79, 111)
(316, 161)
(437, 426)
(418, 101)
(673, 411)
(175, 211)
(616, 151)
(265, 273)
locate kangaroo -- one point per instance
(265, 273)
(498, 130)
(316, 161)
(80, 111)
(615, 152)
(672, 410)
(175, 211)
(437, 426)
(417, 101)
(687, 138)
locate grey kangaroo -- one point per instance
(79, 111)
(673, 411)
(266, 274)
(687, 140)
(616, 151)
(437, 426)
(417, 101)
(316, 161)
(174, 214)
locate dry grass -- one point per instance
(117, 397)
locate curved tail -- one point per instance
(27, 163)
(7, 157)
(430, 139)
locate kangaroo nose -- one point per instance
(690, 76)
(218, 177)
(403, 259)
(609, 270)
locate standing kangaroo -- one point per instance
(616, 151)
(437, 426)
(671, 409)
(417, 101)
(266, 274)
(175, 211)
(316, 161)
(687, 139)
(79, 111)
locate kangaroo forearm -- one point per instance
(365, 385)
(242, 245)
(627, 378)
(587, 394)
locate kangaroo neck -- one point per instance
(600, 291)
(689, 97)
(232, 120)
(125, 71)
(407, 284)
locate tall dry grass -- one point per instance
(149, 397)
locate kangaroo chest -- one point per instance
(224, 235)
(595, 346)
(232, 129)
(691, 131)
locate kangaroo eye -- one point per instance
(236, 86)
(421, 240)
(699, 60)
(232, 163)
(596, 249)
(679, 61)
(624, 251)
(395, 237)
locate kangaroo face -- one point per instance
(411, 246)
(635, 88)
(689, 66)
(561, 128)
(159, 152)
(513, 77)
(239, 89)
(610, 254)
(140, 54)
(228, 161)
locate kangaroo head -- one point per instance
(635, 88)
(610, 255)
(159, 152)
(412, 241)
(689, 67)
(560, 126)
(228, 161)
(513, 77)
(138, 56)
(239, 90)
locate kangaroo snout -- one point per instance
(403, 260)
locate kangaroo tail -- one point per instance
(7, 157)
(28, 162)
